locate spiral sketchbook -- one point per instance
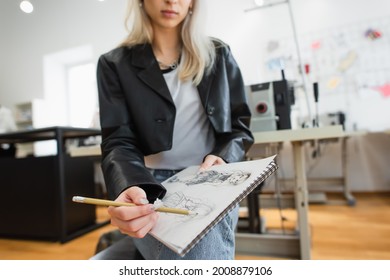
(210, 195)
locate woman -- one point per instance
(169, 97)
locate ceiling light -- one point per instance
(26, 7)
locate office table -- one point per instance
(290, 246)
(36, 192)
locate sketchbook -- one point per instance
(211, 194)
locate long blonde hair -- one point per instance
(198, 53)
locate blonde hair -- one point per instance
(198, 53)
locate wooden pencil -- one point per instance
(104, 202)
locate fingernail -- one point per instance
(144, 201)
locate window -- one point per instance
(81, 95)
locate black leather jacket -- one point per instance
(137, 114)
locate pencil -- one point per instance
(104, 202)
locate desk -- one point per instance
(287, 245)
(36, 192)
(321, 183)
(297, 246)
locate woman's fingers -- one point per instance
(135, 194)
(209, 161)
(135, 221)
(138, 227)
(130, 212)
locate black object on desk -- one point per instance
(252, 223)
(36, 192)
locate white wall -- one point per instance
(54, 26)
(58, 25)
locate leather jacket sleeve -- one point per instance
(122, 160)
(233, 136)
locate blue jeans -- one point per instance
(218, 244)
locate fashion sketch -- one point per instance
(209, 195)
(196, 205)
(213, 177)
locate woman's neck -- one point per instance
(166, 46)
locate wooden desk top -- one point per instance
(85, 151)
(294, 135)
(47, 133)
(263, 137)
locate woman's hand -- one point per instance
(209, 161)
(134, 221)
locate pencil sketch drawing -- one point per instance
(213, 177)
(211, 194)
(180, 200)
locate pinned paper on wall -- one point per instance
(333, 83)
(272, 46)
(277, 63)
(316, 45)
(351, 62)
(384, 90)
(373, 34)
(347, 61)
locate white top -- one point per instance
(193, 135)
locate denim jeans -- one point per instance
(218, 244)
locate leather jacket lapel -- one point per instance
(150, 73)
(143, 57)
(204, 88)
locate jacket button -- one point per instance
(210, 110)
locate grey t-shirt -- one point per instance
(193, 135)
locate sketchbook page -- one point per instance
(211, 194)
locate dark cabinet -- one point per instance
(36, 192)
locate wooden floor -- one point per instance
(338, 232)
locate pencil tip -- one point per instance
(192, 213)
